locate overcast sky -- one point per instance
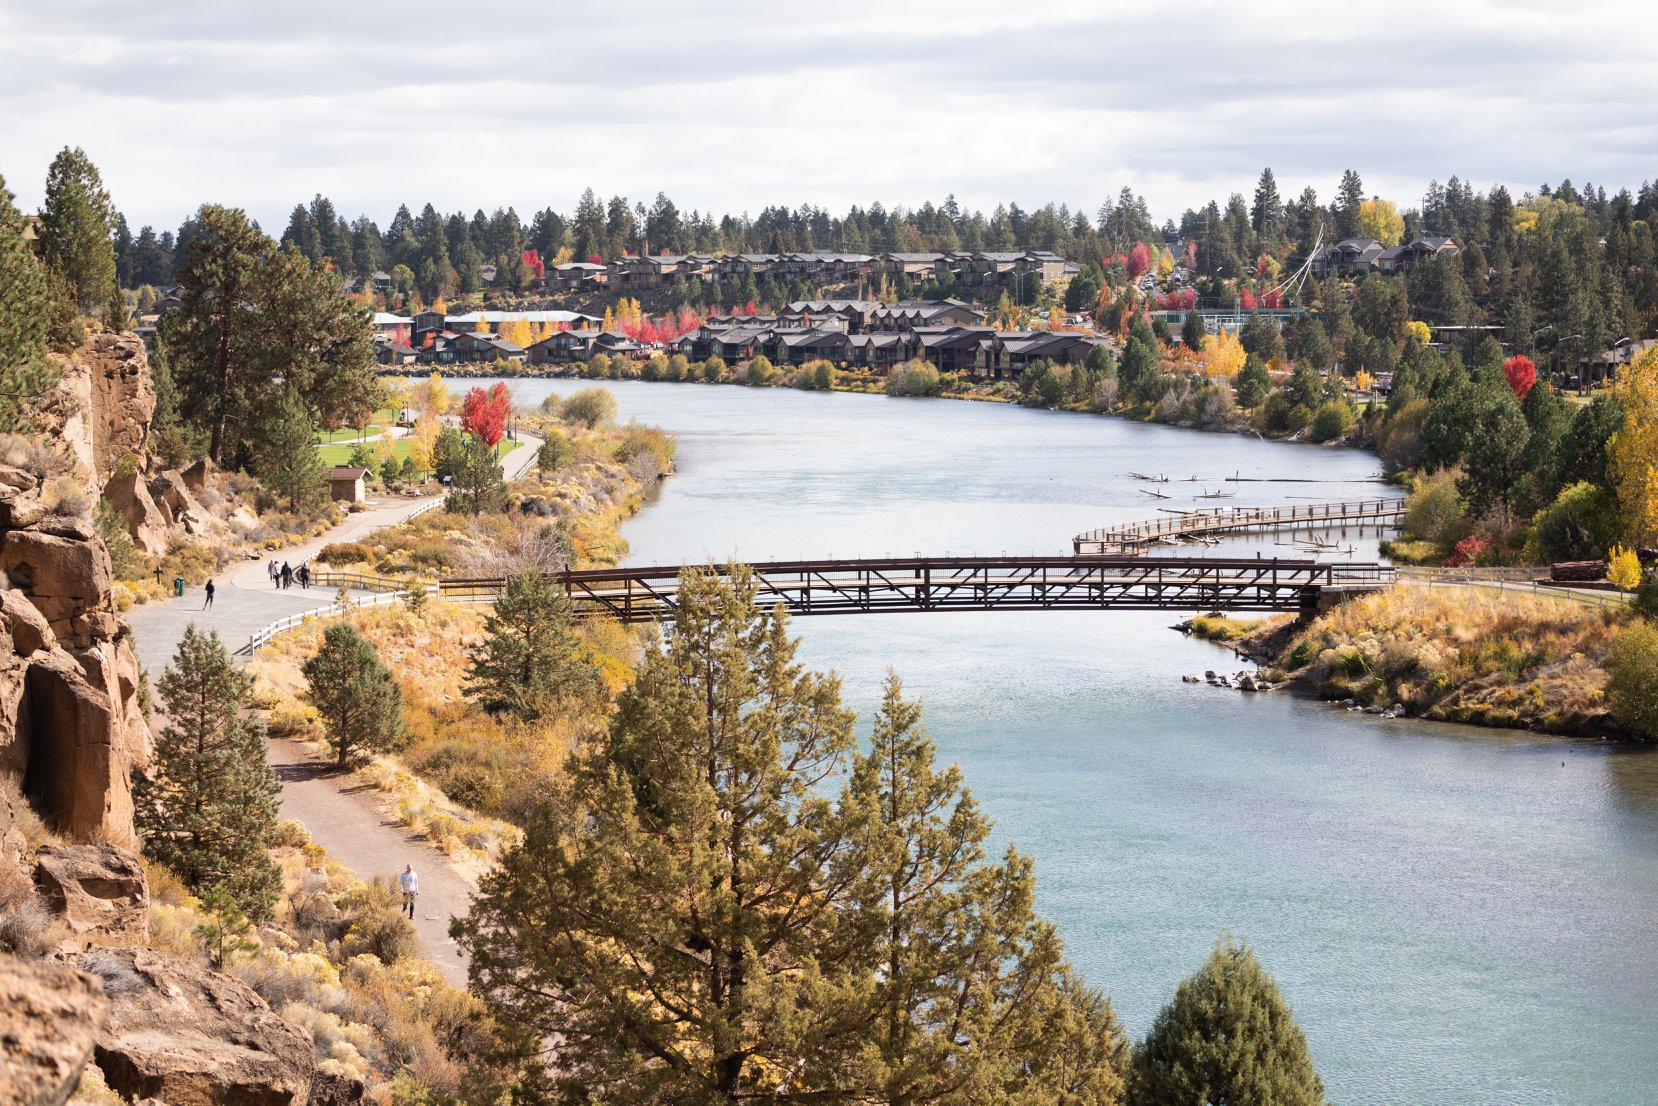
(731, 107)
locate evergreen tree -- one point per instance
(477, 484)
(531, 663)
(699, 920)
(77, 224)
(1494, 456)
(286, 456)
(1349, 195)
(1192, 332)
(1253, 382)
(1138, 367)
(1228, 1037)
(357, 696)
(207, 806)
(26, 378)
(1266, 214)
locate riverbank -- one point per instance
(1192, 401)
(1449, 654)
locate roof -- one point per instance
(347, 472)
(522, 316)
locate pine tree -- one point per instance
(286, 456)
(1266, 214)
(26, 304)
(1349, 196)
(698, 920)
(1253, 382)
(477, 485)
(77, 228)
(207, 806)
(949, 931)
(1228, 1037)
(1192, 332)
(359, 699)
(530, 663)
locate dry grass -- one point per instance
(1465, 655)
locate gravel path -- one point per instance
(341, 815)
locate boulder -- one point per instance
(335, 1089)
(66, 578)
(29, 630)
(170, 490)
(50, 1015)
(191, 1036)
(196, 476)
(128, 494)
(100, 891)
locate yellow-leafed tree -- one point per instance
(1223, 355)
(422, 439)
(431, 396)
(1419, 330)
(482, 327)
(1380, 219)
(1623, 568)
(1632, 455)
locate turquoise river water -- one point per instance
(1457, 915)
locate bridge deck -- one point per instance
(1133, 537)
(977, 583)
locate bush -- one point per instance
(761, 373)
(1334, 420)
(345, 553)
(1631, 691)
(713, 370)
(913, 378)
(592, 406)
(1433, 509)
(1579, 525)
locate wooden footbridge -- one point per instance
(634, 595)
(1133, 538)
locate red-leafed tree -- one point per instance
(594, 259)
(484, 414)
(1272, 298)
(750, 309)
(1139, 261)
(532, 261)
(1246, 300)
(1520, 373)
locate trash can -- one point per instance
(178, 586)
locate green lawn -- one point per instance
(350, 433)
(340, 452)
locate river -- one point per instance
(1456, 915)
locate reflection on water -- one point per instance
(1457, 915)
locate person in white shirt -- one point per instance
(410, 883)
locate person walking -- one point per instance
(276, 579)
(410, 884)
(208, 591)
(287, 576)
(304, 575)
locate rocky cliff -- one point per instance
(70, 725)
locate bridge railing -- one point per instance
(1200, 520)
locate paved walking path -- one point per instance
(342, 816)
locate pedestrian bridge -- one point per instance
(899, 585)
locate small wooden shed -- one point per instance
(346, 483)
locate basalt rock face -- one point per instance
(194, 1037)
(50, 1015)
(70, 725)
(100, 891)
(106, 401)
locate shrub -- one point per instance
(591, 406)
(1579, 525)
(25, 922)
(1467, 552)
(713, 370)
(1334, 420)
(913, 378)
(761, 373)
(341, 553)
(1631, 691)
(1433, 509)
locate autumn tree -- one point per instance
(1139, 261)
(206, 805)
(1227, 1037)
(358, 698)
(1520, 373)
(484, 414)
(1632, 456)
(531, 663)
(697, 917)
(1223, 355)
(432, 396)
(1380, 219)
(76, 224)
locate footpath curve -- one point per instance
(342, 816)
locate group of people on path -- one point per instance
(285, 576)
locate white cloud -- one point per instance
(731, 110)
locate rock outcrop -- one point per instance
(100, 892)
(50, 1016)
(106, 400)
(194, 1037)
(146, 522)
(70, 725)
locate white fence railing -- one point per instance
(1517, 580)
(263, 637)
